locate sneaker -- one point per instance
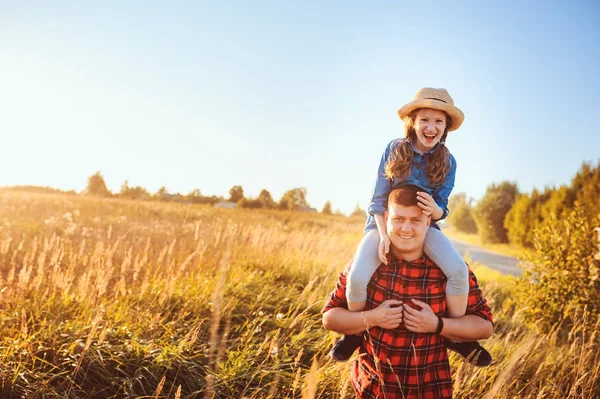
(345, 347)
(473, 353)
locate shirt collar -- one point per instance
(423, 153)
(419, 261)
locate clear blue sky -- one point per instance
(278, 94)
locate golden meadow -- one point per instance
(111, 298)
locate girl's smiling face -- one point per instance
(430, 125)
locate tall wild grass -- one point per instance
(106, 298)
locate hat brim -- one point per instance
(455, 113)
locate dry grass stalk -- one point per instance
(160, 386)
(297, 378)
(274, 386)
(310, 382)
(217, 301)
(224, 338)
(24, 328)
(503, 378)
(88, 342)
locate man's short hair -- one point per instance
(405, 196)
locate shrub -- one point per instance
(563, 275)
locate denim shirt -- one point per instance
(384, 185)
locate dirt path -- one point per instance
(502, 263)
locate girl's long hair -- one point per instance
(438, 162)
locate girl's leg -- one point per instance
(440, 250)
(366, 261)
(364, 264)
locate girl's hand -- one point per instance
(384, 248)
(430, 208)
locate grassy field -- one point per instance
(109, 298)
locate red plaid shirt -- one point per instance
(399, 363)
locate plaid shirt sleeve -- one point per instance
(477, 304)
(337, 298)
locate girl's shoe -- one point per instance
(345, 347)
(473, 353)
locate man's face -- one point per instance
(406, 227)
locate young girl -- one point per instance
(422, 159)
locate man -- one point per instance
(403, 353)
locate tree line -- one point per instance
(504, 215)
(293, 199)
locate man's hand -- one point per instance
(429, 206)
(388, 314)
(421, 320)
(384, 248)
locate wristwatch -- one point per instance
(440, 326)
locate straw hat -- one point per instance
(439, 99)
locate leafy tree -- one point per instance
(236, 193)
(491, 210)
(213, 199)
(559, 204)
(266, 200)
(525, 215)
(563, 274)
(97, 186)
(456, 199)
(251, 203)
(162, 194)
(586, 186)
(327, 208)
(462, 219)
(293, 198)
(358, 212)
(137, 192)
(177, 197)
(461, 213)
(516, 221)
(194, 196)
